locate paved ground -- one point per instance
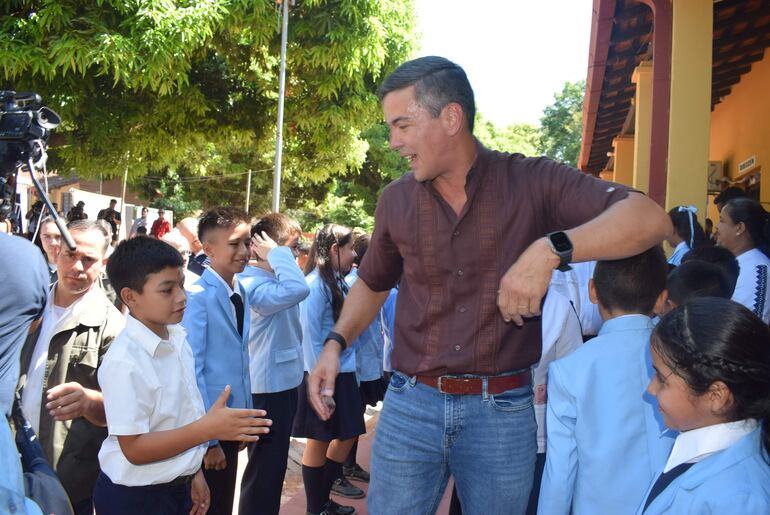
(293, 499)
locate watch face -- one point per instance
(560, 242)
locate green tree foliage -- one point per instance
(520, 138)
(182, 89)
(561, 125)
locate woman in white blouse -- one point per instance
(743, 229)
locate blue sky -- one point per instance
(517, 53)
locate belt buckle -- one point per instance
(439, 384)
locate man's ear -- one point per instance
(452, 118)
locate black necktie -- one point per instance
(238, 303)
(664, 480)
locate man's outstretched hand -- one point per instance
(320, 385)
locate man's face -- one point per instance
(161, 214)
(415, 133)
(228, 248)
(80, 268)
(144, 213)
(50, 237)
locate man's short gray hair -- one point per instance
(92, 225)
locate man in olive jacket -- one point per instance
(60, 393)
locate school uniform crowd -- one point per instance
(623, 384)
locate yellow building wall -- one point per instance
(740, 125)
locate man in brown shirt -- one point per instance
(465, 233)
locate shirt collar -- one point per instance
(150, 341)
(695, 445)
(85, 309)
(625, 323)
(229, 287)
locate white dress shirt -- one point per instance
(148, 385)
(32, 394)
(698, 444)
(561, 335)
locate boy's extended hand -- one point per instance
(228, 424)
(262, 244)
(201, 497)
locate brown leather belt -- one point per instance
(474, 385)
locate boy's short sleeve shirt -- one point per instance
(148, 385)
(449, 267)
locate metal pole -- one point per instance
(279, 129)
(122, 208)
(248, 191)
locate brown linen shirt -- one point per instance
(450, 266)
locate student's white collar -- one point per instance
(229, 287)
(697, 444)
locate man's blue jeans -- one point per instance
(486, 442)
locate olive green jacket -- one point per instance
(75, 352)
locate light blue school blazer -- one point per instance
(605, 437)
(221, 354)
(735, 481)
(317, 318)
(275, 340)
(369, 345)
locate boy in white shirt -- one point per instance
(158, 430)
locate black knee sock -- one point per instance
(316, 491)
(350, 461)
(332, 472)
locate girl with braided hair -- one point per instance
(712, 382)
(328, 442)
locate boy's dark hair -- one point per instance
(719, 256)
(220, 218)
(360, 246)
(632, 284)
(437, 82)
(141, 230)
(696, 279)
(135, 259)
(278, 226)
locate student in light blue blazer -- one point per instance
(274, 287)
(603, 433)
(328, 441)
(712, 382)
(217, 323)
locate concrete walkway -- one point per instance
(293, 502)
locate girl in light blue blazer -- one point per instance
(712, 381)
(330, 441)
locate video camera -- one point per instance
(25, 126)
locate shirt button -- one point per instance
(462, 309)
(456, 233)
(460, 273)
(457, 347)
